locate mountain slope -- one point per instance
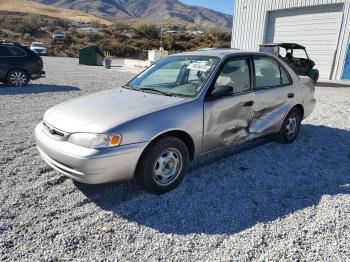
(24, 6)
(147, 9)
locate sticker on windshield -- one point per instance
(199, 67)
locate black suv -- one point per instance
(19, 64)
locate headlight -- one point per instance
(95, 141)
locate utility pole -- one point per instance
(161, 39)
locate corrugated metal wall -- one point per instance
(251, 17)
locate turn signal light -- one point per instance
(116, 140)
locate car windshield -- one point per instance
(37, 45)
(59, 32)
(176, 75)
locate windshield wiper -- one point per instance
(154, 90)
(128, 86)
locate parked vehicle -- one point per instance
(19, 64)
(38, 48)
(295, 56)
(182, 107)
(27, 37)
(59, 35)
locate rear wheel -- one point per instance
(291, 126)
(162, 166)
(17, 78)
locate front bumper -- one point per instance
(40, 52)
(87, 165)
(60, 38)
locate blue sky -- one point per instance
(224, 6)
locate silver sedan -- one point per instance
(182, 107)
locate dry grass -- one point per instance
(24, 6)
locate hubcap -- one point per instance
(291, 126)
(18, 78)
(167, 167)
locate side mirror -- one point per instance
(222, 91)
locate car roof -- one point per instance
(286, 45)
(218, 52)
(10, 44)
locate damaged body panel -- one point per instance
(271, 106)
(226, 121)
(268, 119)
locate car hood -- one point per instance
(103, 111)
(39, 48)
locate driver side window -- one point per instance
(235, 74)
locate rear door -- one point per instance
(226, 119)
(274, 95)
(3, 62)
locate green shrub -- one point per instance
(93, 37)
(148, 31)
(119, 49)
(30, 25)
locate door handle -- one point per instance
(249, 103)
(291, 95)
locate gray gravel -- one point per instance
(261, 201)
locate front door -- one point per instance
(274, 96)
(346, 73)
(226, 118)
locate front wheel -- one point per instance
(17, 78)
(162, 166)
(291, 126)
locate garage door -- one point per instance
(316, 27)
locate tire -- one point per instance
(162, 166)
(291, 126)
(314, 75)
(17, 77)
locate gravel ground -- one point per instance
(261, 201)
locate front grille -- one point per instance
(53, 131)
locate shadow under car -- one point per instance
(35, 89)
(227, 192)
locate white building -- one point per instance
(323, 26)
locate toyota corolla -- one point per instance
(182, 107)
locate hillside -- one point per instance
(147, 9)
(23, 6)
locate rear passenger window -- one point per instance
(268, 73)
(3, 51)
(15, 51)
